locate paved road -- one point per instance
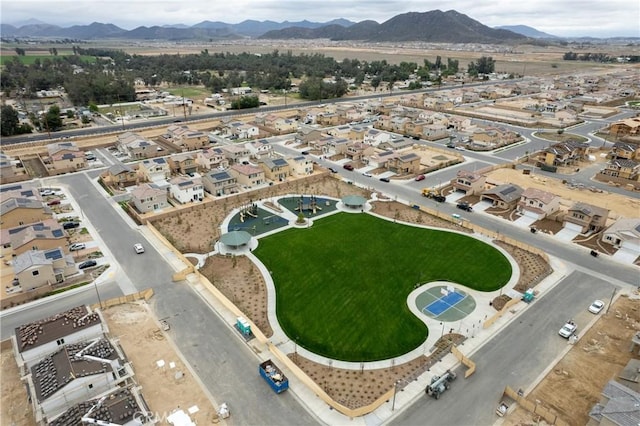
(515, 357)
(228, 369)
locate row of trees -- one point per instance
(10, 124)
(599, 57)
(110, 78)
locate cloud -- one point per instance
(563, 18)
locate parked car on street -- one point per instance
(596, 307)
(385, 179)
(77, 246)
(348, 167)
(568, 330)
(87, 264)
(332, 170)
(138, 248)
(367, 174)
(463, 205)
(420, 177)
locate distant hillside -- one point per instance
(202, 30)
(434, 26)
(526, 31)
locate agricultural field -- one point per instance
(30, 59)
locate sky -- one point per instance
(564, 18)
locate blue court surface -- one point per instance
(439, 306)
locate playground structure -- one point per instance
(250, 209)
(308, 204)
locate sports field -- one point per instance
(342, 285)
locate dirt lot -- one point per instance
(144, 344)
(574, 385)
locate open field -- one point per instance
(31, 58)
(331, 278)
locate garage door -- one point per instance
(632, 246)
(532, 215)
(572, 227)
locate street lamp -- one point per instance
(442, 324)
(95, 284)
(395, 390)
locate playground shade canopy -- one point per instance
(353, 201)
(235, 238)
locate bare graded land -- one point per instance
(575, 384)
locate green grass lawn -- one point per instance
(342, 285)
(30, 59)
(189, 91)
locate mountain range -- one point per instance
(433, 26)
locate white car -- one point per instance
(138, 248)
(77, 246)
(367, 174)
(596, 307)
(568, 330)
(46, 192)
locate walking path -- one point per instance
(471, 326)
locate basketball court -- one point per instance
(445, 303)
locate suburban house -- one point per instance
(148, 197)
(625, 151)
(379, 159)
(623, 169)
(435, 131)
(275, 169)
(212, 158)
(396, 143)
(356, 151)
(329, 119)
(585, 217)
(154, 169)
(38, 268)
(628, 126)
(340, 131)
(16, 211)
(185, 138)
(339, 145)
(503, 196)
(137, 147)
(10, 170)
(120, 176)
(564, 154)
(375, 137)
(321, 145)
(538, 204)
(619, 405)
(300, 165)
(240, 130)
(307, 134)
(470, 183)
(122, 406)
(186, 189)
(184, 164)
(219, 183)
(283, 125)
(357, 133)
(236, 154)
(624, 234)
(65, 156)
(75, 373)
(259, 149)
(247, 175)
(44, 235)
(404, 163)
(33, 341)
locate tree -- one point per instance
(8, 120)
(52, 119)
(20, 51)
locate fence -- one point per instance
(465, 361)
(488, 323)
(144, 294)
(534, 408)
